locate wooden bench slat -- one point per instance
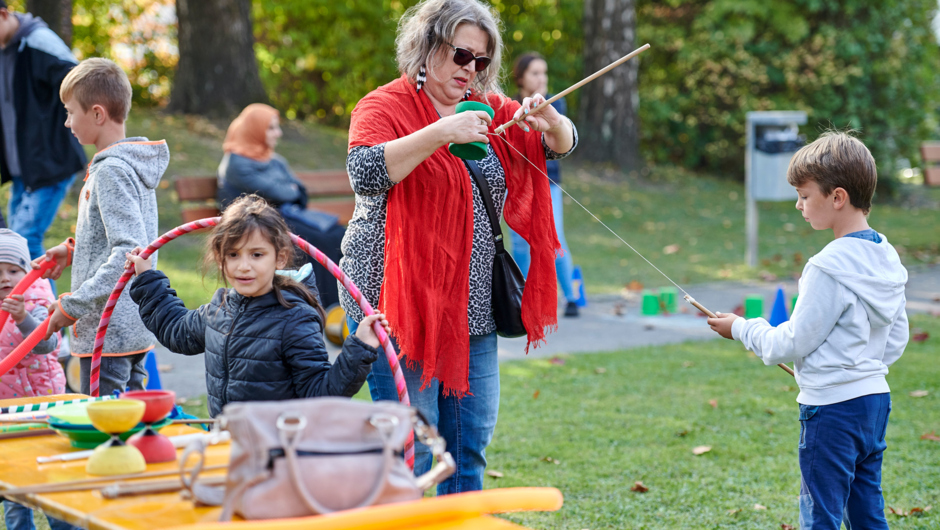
(930, 152)
(195, 214)
(196, 188)
(932, 176)
(325, 183)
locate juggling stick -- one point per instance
(703, 309)
(309, 249)
(575, 86)
(34, 338)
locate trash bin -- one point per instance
(774, 145)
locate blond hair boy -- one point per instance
(117, 211)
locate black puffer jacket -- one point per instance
(256, 349)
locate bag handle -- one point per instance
(289, 427)
(488, 202)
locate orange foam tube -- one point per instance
(410, 514)
(37, 335)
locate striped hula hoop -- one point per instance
(306, 247)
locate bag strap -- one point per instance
(488, 201)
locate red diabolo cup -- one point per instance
(154, 446)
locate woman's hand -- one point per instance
(546, 119)
(465, 127)
(366, 334)
(140, 264)
(16, 306)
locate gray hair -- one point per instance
(431, 24)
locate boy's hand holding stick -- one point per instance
(721, 324)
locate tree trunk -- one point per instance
(609, 124)
(217, 74)
(56, 13)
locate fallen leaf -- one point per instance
(494, 474)
(551, 460)
(639, 487)
(734, 511)
(760, 507)
(680, 434)
(797, 258)
(164, 368)
(558, 361)
(785, 526)
(768, 276)
(600, 370)
(919, 393)
(898, 511)
(713, 403)
(768, 411)
(671, 249)
(920, 511)
(634, 286)
(930, 436)
(920, 337)
(688, 364)
(702, 449)
(536, 394)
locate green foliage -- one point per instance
(866, 65)
(319, 57)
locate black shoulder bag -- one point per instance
(508, 281)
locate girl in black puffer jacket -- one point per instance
(263, 337)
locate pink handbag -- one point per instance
(315, 456)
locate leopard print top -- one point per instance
(364, 244)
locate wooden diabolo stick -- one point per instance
(576, 86)
(705, 310)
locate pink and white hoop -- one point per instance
(306, 247)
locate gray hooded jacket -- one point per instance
(117, 211)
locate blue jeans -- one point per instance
(115, 373)
(32, 211)
(563, 265)
(19, 517)
(841, 449)
(467, 424)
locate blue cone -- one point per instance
(153, 373)
(778, 315)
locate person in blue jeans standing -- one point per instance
(848, 327)
(530, 72)
(37, 152)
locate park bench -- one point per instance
(930, 152)
(329, 192)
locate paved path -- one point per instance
(610, 322)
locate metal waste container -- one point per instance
(772, 138)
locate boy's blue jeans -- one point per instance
(467, 424)
(19, 517)
(563, 265)
(32, 211)
(115, 373)
(841, 449)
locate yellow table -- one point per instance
(88, 509)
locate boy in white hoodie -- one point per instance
(849, 325)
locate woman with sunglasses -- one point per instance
(420, 244)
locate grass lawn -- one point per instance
(598, 423)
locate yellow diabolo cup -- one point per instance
(473, 150)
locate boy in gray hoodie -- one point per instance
(117, 211)
(849, 325)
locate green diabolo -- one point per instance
(473, 150)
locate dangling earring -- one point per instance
(422, 78)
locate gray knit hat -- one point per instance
(13, 249)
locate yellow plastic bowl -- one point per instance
(115, 416)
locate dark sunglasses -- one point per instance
(463, 57)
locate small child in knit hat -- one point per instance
(39, 373)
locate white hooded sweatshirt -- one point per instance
(849, 324)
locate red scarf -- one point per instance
(429, 234)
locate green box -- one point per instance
(753, 306)
(667, 299)
(650, 306)
(793, 303)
